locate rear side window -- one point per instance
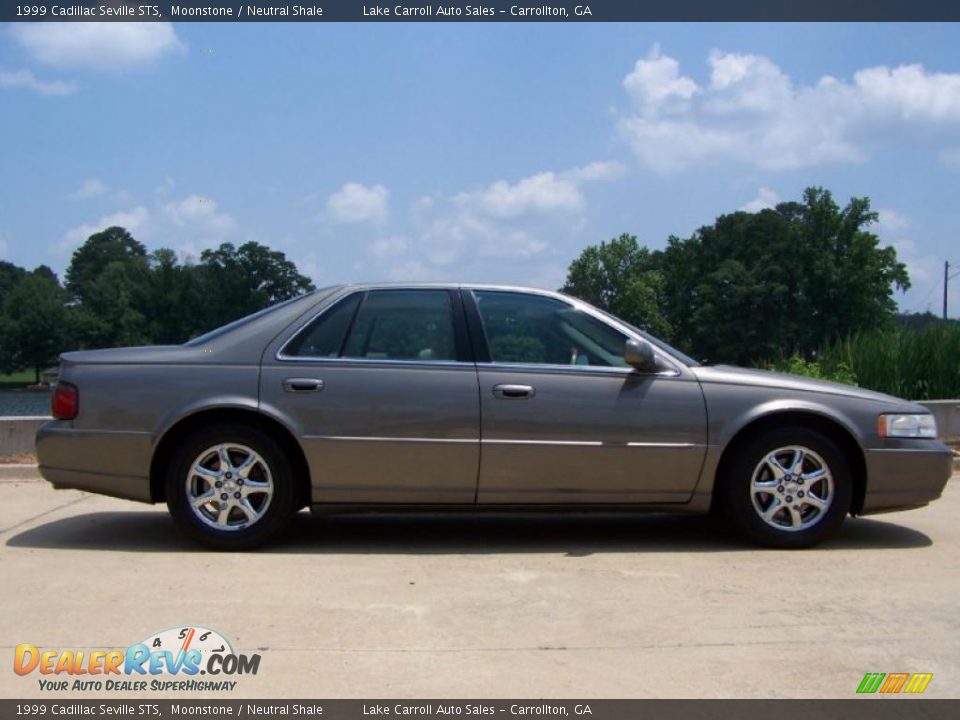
(325, 335)
(403, 325)
(382, 325)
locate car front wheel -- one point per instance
(231, 488)
(788, 488)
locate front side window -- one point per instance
(540, 330)
(382, 325)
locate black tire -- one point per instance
(238, 531)
(793, 523)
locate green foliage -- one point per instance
(622, 278)
(101, 250)
(752, 287)
(34, 328)
(839, 372)
(234, 282)
(917, 364)
(118, 295)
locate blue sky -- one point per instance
(490, 152)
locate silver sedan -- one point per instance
(472, 397)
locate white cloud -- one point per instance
(356, 203)
(750, 111)
(656, 81)
(90, 188)
(98, 45)
(766, 198)
(600, 171)
(410, 271)
(188, 225)
(951, 158)
(26, 79)
(200, 214)
(478, 232)
(136, 221)
(926, 271)
(911, 92)
(890, 222)
(389, 247)
(541, 193)
(164, 189)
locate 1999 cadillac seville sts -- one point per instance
(433, 396)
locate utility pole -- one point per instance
(946, 281)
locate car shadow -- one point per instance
(573, 535)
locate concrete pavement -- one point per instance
(493, 606)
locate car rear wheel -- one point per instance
(788, 488)
(231, 488)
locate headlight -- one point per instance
(907, 426)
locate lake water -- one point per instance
(20, 403)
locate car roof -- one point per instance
(393, 285)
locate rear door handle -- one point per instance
(514, 392)
(302, 385)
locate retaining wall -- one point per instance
(17, 433)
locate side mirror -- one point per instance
(640, 355)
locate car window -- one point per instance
(534, 329)
(403, 325)
(250, 319)
(324, 336)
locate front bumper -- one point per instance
(107, 462)
(905, 474)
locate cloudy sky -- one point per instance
(474, 152)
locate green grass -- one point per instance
(16, 380)
(914, 364)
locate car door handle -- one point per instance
(514, 392)
(302, 385)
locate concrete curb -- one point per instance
(19, 472)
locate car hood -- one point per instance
(731, 375)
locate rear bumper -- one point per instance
(115, 463)
(908, 475)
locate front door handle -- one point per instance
(514, 392)
(302, 385)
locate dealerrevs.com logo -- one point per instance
(894, 683)
(170, 660)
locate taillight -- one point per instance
(66, 401)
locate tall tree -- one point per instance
(113, 245)
(108, 281)
(623, 278)
(753, 286)
(175, 297)
(10, 276)
(238, 281)
(35, 320)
